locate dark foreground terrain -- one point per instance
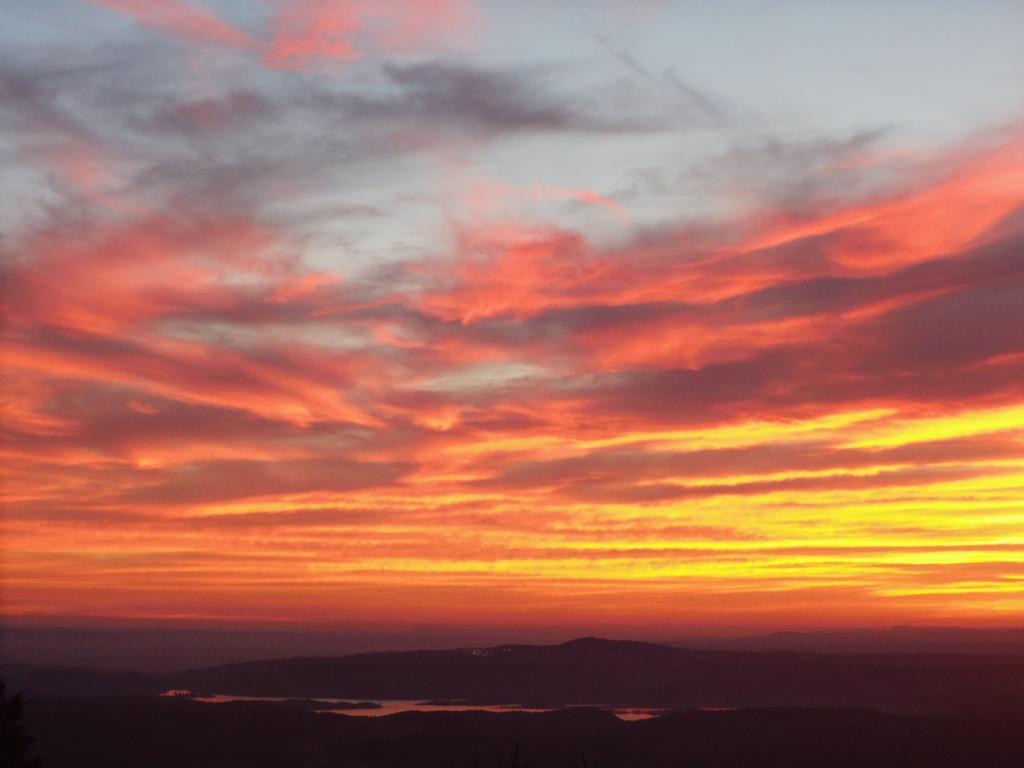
(160, 732)
(790, 709)
(589, 671)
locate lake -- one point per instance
(394, 706)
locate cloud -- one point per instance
(218, 481)
(476, 100)
(310, 34)
(181, 18)
(313, 336)
(307, 33)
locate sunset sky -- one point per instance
(659, 315)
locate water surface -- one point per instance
(394, 706)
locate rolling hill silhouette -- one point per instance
(792, 709)
(596, 671)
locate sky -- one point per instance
(556, 315)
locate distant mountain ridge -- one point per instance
(44, 680)
(622, 672)
(172, 648)
(587, 671)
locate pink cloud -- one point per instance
(182, 18)
(307, 33)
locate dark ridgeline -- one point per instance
(78, 681)
(176, 648)
(797, 709)
(595, 671)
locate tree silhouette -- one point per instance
(515, 760)
(14, 737)
(582, 762)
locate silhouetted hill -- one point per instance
(77, 681)
(170, 647)
(595, 671)
(174, 733)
